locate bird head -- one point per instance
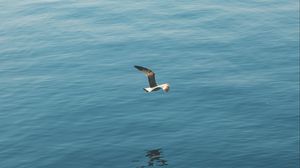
(166, 87)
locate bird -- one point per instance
(151, 79)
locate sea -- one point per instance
(70, 96)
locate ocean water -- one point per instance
(71, 98)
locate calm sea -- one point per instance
(71, 98)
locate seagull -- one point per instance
(151, 78)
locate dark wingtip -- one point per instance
(138, 67)
(143, 69)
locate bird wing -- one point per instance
(150, 74)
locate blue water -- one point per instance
(71, 98)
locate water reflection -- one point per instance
(154, 158)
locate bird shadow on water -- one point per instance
(154, 158)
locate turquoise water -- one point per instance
(70, 96)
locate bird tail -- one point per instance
(147, 89)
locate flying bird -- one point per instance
(151, 79)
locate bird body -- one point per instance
(165, 87)
(151, 79)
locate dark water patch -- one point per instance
(154, 158)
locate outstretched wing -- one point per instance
(150, 74)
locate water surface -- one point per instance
(70, 96)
